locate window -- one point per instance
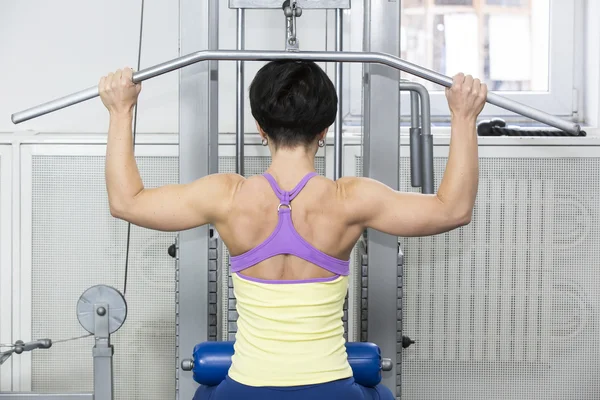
(522, 49)
(503, 41)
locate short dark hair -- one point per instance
(293, 101)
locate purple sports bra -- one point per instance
(286, 240)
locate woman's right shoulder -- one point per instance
(230, 180)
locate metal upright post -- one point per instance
(381, 162)
(103, 354)
(239, 127)
(198, 148)
(337, 137)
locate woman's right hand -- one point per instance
(118, 92)
(466, 97)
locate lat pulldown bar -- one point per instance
(324, 56)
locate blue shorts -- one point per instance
(345, 389)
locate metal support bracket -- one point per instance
(291, 10)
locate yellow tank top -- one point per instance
(289, 334)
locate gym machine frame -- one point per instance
(198, 139)
(101, 310)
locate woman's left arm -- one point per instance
(167, 208)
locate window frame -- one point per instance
(560, 99)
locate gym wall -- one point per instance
(61, 47)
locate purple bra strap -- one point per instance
(286, 197)
(278, 192)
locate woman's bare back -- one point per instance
(318, 215)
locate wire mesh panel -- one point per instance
(506, 307)
(77, 244)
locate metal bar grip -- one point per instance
(427, 160)
(414, 139)
(323, 56)
(423, 148)
(415, 157)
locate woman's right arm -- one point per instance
(375, 205)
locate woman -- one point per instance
(290, 232)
